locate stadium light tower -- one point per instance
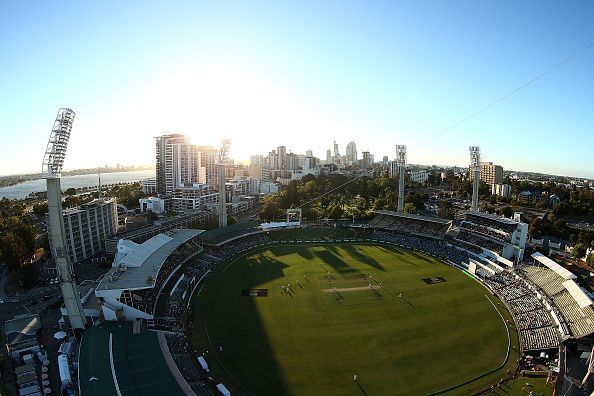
(223, 159)
(475, 168)
(51, 169)
(401, 163)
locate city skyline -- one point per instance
(380, 76)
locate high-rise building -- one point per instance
(308, 153)
(292, 162)
(300, 160)
(328, 156)
(336, 153)
(260, 172)
(489, 173)
(393, 169)
(257, 159)
(351, 153)
(208, 165)
(164, 159)
(309, 163)
(180, 163)
(367, 159)
(273, 160)
(87, 226)
(282, 157)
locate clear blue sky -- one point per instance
(302, 75)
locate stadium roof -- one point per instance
(123, 363)
(492, 217)
(544, 260)
(577, 293)
(413, 216)
(144, 261)
(217, 235)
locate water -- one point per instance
(22, 190)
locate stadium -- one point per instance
(399, 304)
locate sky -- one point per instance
(300, 74)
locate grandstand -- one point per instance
(558, 284)
(138, 273)
(494, 236)
(412, 224)
(536, 327)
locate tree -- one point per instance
(446, 210)
(40, 209)
(29, 274)
(70, 191)
(13, 251)
(506, 211)
(231, 220)
(578, 251)
(590, 260)
(409, 208)
(336, 212)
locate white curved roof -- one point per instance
(577, 293)
(131, 254)
(544, 260)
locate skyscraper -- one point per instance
(292, 162)
(336, 153)
(282, 157)
(351, 153)
(164, 153)
(180, 163)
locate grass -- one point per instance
(308, 342)
(523, 386)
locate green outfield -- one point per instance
(401, 335)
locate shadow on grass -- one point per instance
(335, 262)
(355, 253)
(242, 346)
(361, 388)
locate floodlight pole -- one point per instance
(475, 168)
(52, 167)
(223, 159)
(401, 163)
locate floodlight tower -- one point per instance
(223, 159)
(401, 163)
(475, 168)
(51, 169)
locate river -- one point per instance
(22, 190)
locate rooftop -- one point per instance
(492, 217)
(21, 328)
(217, 235)
(138, 367)
(89, 205)
(136, 266)
(24, 324)
(413, 216)
(544, 260)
